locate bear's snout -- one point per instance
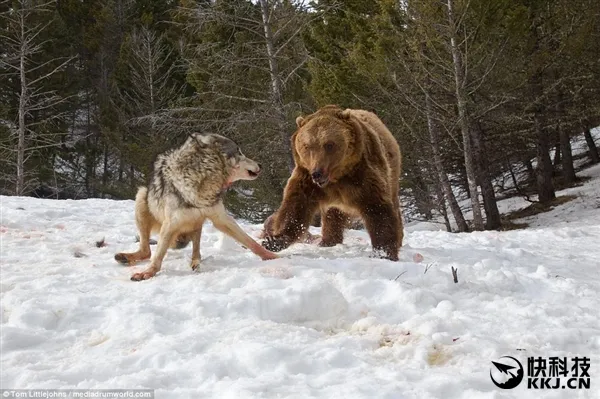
(319, 177)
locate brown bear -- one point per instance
(347, 165)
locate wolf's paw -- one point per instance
(268, 255)
(195, 264)
(122, 258)
(129, 259)
(145, 275)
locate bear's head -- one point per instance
(327, 143)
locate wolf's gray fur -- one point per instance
(200, 165)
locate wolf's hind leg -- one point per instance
(196, 249)
(144, 221)
(166, 234)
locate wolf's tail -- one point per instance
(142, 211)
(142, 195)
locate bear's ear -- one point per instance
(344, 114)
(300, 121)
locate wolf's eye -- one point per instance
(329, 146)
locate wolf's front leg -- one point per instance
(166, 234)
(300, 202)
(225, 223)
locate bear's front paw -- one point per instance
(381, 253)
(275, 244)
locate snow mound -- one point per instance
(319, 322)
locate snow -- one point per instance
(317, 323)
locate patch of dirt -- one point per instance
(508, 225)
(438, 356)
(537, 208)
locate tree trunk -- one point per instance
(442, 207)
(439, 167)
(590, 142)
(276, 84)
(530, 170)
(20, 184)
(121, 168)
(568, 171)
(421, 194)
(544, 169)
(557, 158)
(463, 116)
(464, 182)
(513, 177)
(89, 161)
(105, 171)
(493, 220)
(545, 186)
(132, 177)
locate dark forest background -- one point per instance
(480, 94)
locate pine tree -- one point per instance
(34, 103)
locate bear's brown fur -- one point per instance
(347, 165)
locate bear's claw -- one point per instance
(275, 244)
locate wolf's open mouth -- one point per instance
(252, 174)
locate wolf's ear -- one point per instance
(228, 146)
(202, 140)
(300, 121)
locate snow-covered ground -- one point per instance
(318, 323)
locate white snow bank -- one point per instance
(321, 322)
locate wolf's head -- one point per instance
(242, 167)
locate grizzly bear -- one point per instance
(347, 165)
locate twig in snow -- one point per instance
(79, 254)
(101, 243)
(398, 276)
(428, 266)
(454, 274)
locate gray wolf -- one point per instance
(186, 188)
